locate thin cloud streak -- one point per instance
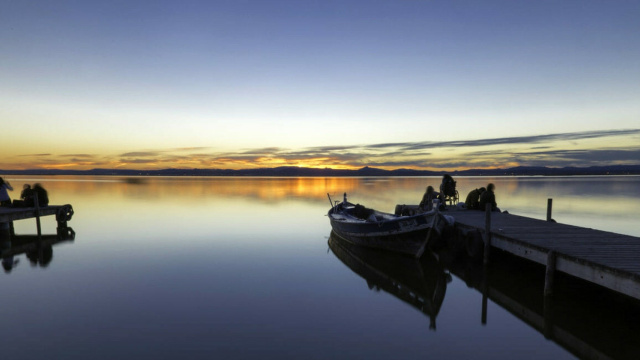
(140, 154)
(84, 156)
(516, 140)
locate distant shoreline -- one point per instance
(289, 171)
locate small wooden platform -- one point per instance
(8, 214)
(604, 258)
(63, 213)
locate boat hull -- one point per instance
(403, 234)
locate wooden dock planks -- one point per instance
(605, 258)
(8, 214)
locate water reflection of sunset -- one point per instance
(526, 195)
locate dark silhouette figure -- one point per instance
(448, 190)
(488, 197)
(430, 194)
(26, 197)
(43, 197)
(5, 200)
(473, 199)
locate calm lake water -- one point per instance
(241, 268)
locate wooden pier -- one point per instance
(604, 258)
(8, 215)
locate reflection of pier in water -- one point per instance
(37, 248)
(419, 283)
(586, 320)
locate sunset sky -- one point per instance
(258, 83)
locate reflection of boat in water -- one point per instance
(37, 248)
(420, 283)
(368, 227)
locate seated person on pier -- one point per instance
(427, 199)
(448, 192)
(488, 197)
(26, 197)
(43, 197)
(473, 199)
(5, 200)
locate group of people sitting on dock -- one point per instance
(447, 189)
(477, 199)
(27, 196)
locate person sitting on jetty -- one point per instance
(447, 189)
(43, 197)
(5, 200)
(488, 197)
(26, 197)
(426, 204)
(473, 199)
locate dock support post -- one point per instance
(37, 206)
(549, 206)
(551, 269)
(487, 233)
(548, 294)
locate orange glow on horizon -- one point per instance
(226, 164)
(448, 157)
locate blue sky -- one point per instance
(156, 84)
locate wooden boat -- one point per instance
(421, 283)
(408, 235)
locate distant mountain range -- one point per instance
(327, 172)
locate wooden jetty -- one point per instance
(8, 215)
(604, 258)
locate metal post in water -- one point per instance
(549, 206)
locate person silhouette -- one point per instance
(26, 197)
(473, 199)
(488, 197)
(43, 197)
(5, 200)
(427, 199)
